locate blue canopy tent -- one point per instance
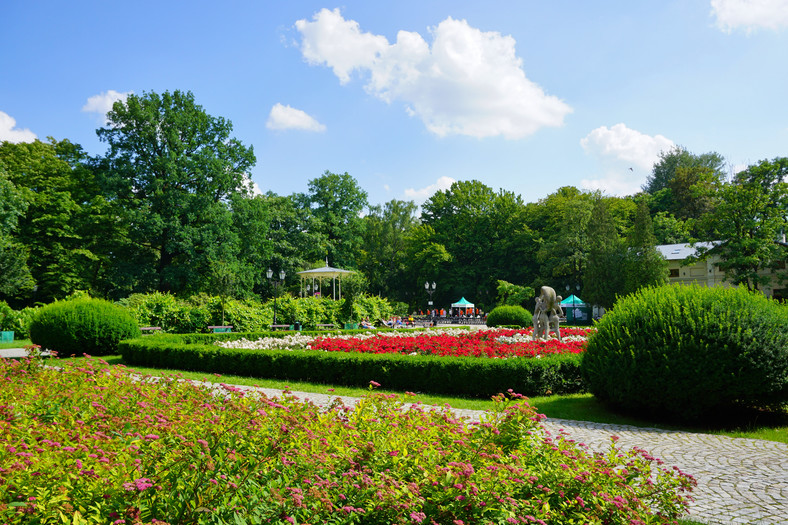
(577, 311)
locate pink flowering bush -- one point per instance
(86, 444)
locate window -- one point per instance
(674, 273)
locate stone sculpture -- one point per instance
(547, 314)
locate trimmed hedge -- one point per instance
(509, 316)
(687, 351)
(82, 326)
(461, 376)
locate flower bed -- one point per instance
(83, 445)
(501, 343)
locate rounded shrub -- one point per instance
(509, 315)
(689, 351)
(90, 326)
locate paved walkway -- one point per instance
(740, 481)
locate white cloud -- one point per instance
(252, 186)
(626, 157)
(286, 117)
(102, 103)
(625, 144)
(750, 14)
(10, 133)
(421, 195)
(469, 82)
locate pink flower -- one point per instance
(375, 384)
(151, 437)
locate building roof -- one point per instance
(678, 252)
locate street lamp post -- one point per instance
(269, 274)
(430, 290)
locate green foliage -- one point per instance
(251, 459)
(77, 326)
(336, 200)
(17, 321)
(471, 237)
(749, 215)
(512, 294)
(683, 351)
(643, 265)
(54, 229)
(605, 251)
(510, 316)
(170, 171)
(664, 170)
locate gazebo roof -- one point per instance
(326, 271)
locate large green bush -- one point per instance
(686, 351)
(90, 326)
(510, 316)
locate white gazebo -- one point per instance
(327, 272)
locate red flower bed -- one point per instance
(481, 343)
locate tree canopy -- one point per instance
(169, 170)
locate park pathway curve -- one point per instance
(740, 481)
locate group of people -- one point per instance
(394, 322)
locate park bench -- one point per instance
(280, 326)
(221, 329)
(326, 326)
(147, 330)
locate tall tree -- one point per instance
(601, 284)
(337, 202)
(383, 257)
(15, 276)
(59, 191)
(561, 221)
(664, 169)
(643, 264)
(294, 241)
(170, 169)
(485, 234)
(750, 213)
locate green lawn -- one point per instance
(581, 407)
(16, 343)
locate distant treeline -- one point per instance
(169, 208)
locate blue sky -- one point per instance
(408, 96)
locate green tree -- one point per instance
(601, 283)
(337, 202)
(512, 294)
(561, 221)
(15, 276)
(664, 169)
(383, 257)
(747, 219)
(485, 234)
(170, 169)
(294, 240)
(643, 264)
(59, 190)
